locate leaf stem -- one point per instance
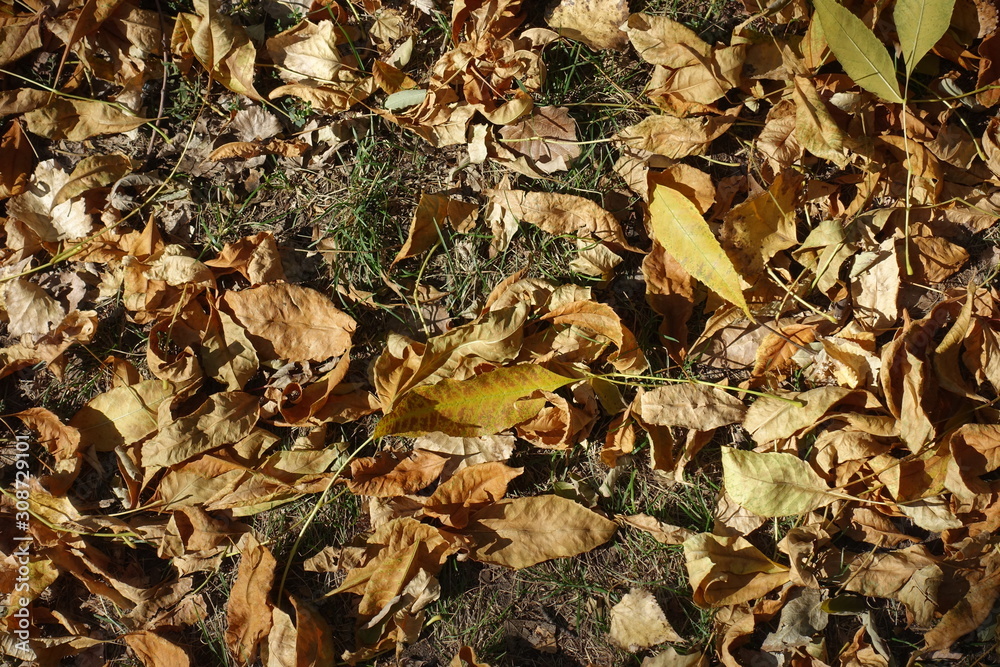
(717, 385)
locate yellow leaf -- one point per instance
(484, 405)
(859, 51)
(683, 233)
(773, 484)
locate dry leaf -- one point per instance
(638, 622)
(77, 120)
(593, 22)
(388, 476)
(290, 322)
(248, 609)
(562, 214)
(690, 405)
(36, 206)
(522, 532)
(729, 570)
(122, 416)
(547, 137)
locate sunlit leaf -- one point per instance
(483, 405)
(522, 532)
(858, 50)
(773, 484)
(920, 24)
(683, 232)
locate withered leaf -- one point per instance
(121, 416)
(729, 570)
(223, 419)
(387, 476)
(689, 405)
(638, 622)
(248, 609)
(290, 322)
(522, 532)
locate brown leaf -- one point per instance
(432, 214)
(662, 41)
(759, 228)
(248, 609)
(255, 257)
(17, 161)
(249, 149)
(77, 120)
(815, 128)
(593, 22)
(387, 476)
(661, 532)
(92, 172)
(776, 417)
(465, 452)
(597, 320)
(155, 651)
(548, 137)
(562, 214)
(470, 489)
(18, 38)
(223, 419)
(521, 532)
(122, 416)
(729, 570)
(693, 406)
(674, 137)
(290, 322)
(36, 206)
(638, 622)
(776, 350)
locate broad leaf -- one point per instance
(521, 532)
(920, 24)
(859, 51)
(683, 232)
(484, 405)
(773, 484)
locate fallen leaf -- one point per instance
(674, 137)
(290, 322)
(248, 607)
(469, 490)
(36, 206)
(547, 137)
(522, 532)
(483, 405)
(223, 419)
(593, 22)
(92, 172)
(689, 405)
(683, 232)
(155, 651)
(773, 484)
(77, 120)
(121, 416)
(386, 476)
(638, 622)
(729, 570)
(562, 214)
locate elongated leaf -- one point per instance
(773, 484)
(682, 230)
(484, 405)
(858, 50)
(920, 24)
(521, 532)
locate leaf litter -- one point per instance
(781, 297)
